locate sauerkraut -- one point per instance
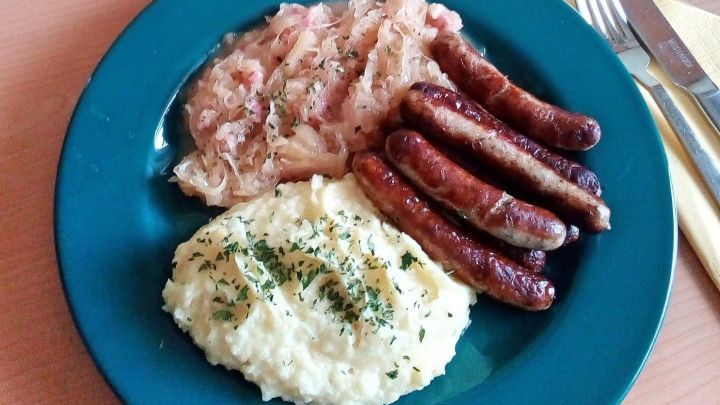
(298, 95)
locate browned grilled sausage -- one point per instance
(572, 235)
(542, 121)
(482, 205)
(533, 260)
(493, 178)
(573, 171)
(452, 118)
(467, 259)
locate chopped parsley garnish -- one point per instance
(222, 315)
(309, 277)
(421, 334)
(278, 192)
(207, 265)
(232, 248)
(392, 374)
(371, 245)
(243, 294)
(346, 298)
(351, 53)
(406, 260)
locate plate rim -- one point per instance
(56, 206)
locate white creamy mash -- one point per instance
(314, 298)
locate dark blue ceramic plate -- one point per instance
(118, 220)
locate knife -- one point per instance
(673, 56)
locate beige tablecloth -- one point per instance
(699, 217)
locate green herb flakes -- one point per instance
(243, 294)
(222, 315)
(406, 260)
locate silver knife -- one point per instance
(673, 56)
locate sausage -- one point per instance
(541, 121)
(484, 174)
(482, 205)
(467, 259)
(572, 235)
(452, 118)
(533, 260)
(575, 172)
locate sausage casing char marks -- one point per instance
(467, 259)
(452, 118)
(542, 121)
(482, 205)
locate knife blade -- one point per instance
(674, 57)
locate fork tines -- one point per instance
(609, 19)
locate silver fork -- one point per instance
(609, 20)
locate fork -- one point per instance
(609, 20)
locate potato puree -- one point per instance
(314, 298)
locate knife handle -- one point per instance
(710, 102)
(688, 139)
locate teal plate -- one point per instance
(118, 220)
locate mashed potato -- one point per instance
(314, 298)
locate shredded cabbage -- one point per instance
(297, 96)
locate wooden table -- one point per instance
(47, 50)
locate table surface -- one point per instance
(48, 49)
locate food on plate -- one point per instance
(573, 234)
(296, 96)
(314, 298)
(533, 260)
(452, 118)
(572, 171)
(304, 288)
(470, 261)
(480, 204)
(542, 121)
